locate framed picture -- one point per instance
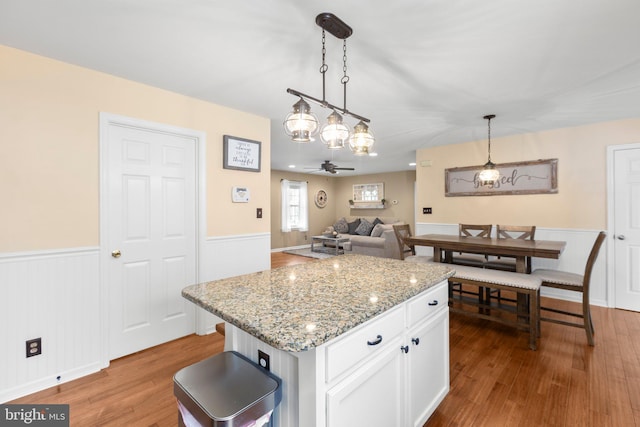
(532, 177)
(241, 154)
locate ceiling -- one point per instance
(424, 72)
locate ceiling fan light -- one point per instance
(301, 124)
(334, 133)
(362, 139)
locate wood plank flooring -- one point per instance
(495, 379)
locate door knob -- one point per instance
(116, 253)
(621, 237)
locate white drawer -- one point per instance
(364, 341)
(425, 305)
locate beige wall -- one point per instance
(580, 203)
(397, 185)
(49, 166)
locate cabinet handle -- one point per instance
(416, 341)
(377, 341)
(404, 349)
(434, 302)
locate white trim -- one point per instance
(290, 248)
(43, 383)
(611, 277)
(47, 253)
(238, 237)
(106, 120)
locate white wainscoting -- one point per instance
(54, 295)
(229, 256)
(573, 259)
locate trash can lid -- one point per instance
(228, 384)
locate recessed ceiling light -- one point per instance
(412, 164)
(292, 166)
(374, 154)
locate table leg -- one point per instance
(437, 254)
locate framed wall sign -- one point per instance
(533, 177)
(241, 154)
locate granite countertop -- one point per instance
(299, 307)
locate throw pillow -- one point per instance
(377, 230)
(365, 227)
(377, 221)
(353, 225)
(341, 226)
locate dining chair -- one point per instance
(524, 232)
(573, 282)
(402, 231)
(472, 230)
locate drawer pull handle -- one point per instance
(416, 341)
(404, 349)
(377, 341)
(434, 302)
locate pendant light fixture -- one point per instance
(301, 124)
(489, 172)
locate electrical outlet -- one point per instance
(426, 211)
(34, 347)
(263, 360)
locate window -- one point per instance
(295, 210)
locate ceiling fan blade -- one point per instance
(344, 169)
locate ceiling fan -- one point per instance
(331, 168)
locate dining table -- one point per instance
(444, 245)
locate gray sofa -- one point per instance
(385, 245)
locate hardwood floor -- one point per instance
(495, 379)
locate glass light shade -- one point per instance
(334, 133)
(301, 124)
(489, 174)
(362, 139)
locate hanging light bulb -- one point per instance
(334, 133)
(489, 173)
(362, 139)
(301, 124)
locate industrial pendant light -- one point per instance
(301, 124)
(489, 172)
(362, 140)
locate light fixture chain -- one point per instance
(489, 134)
(323, 68)
(345, 77)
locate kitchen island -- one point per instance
(356, 340)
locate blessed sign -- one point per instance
(534, 177)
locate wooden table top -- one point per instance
(491, 246)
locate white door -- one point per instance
(151, 197)
(626, 170)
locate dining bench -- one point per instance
(525, 314)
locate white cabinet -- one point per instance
(399, 381)
(428, 370)
(372, 395)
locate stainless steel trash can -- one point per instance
(225, 390)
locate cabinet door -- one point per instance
(428, 369)
(373, 395)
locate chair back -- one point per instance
(593, 255)
(516, 232)
(474, 230)
(403, 231)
